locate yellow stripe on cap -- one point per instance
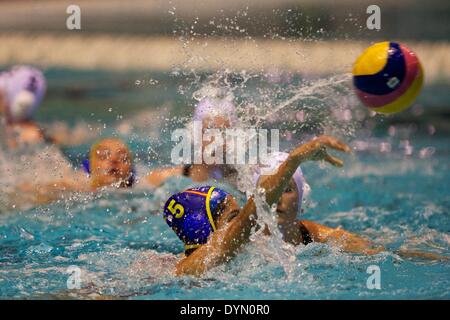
(372, 60)
(208, 208)
(191, 246)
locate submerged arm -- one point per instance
(43, 193)
(410, 254)
(345, 240)
(353, 243)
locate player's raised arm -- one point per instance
(315, 150)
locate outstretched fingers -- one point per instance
(334, 143)
(334, 161)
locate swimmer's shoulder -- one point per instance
(20, 134)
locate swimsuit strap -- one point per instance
(306, 235)
(216, 173)
(187, 170)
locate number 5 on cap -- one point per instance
(177, 211)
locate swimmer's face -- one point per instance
(216, 122)
(111, 162)
(288, 205)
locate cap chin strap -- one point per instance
(191, 246)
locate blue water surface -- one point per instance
(398, 197)
(396, 200)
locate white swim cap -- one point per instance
(275, 160)
(23, 88)
(211, 107)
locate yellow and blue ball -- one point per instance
(387, 77)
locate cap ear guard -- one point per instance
(196, 229)
(217, 198)
(86, 165)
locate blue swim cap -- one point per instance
(192, 214)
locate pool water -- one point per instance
(393, 189)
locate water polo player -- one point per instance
(212, 113)
(109, 164)
(21, 92)
(213, 226)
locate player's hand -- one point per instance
(316, 150)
